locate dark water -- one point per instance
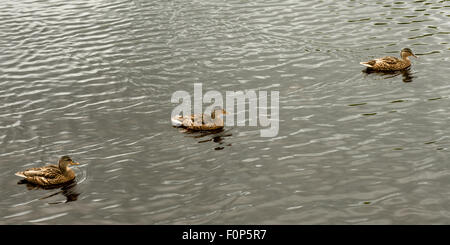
(93, 80)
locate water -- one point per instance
(93, 80)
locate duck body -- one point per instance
(390, 63)
(201, 122)
(51, 174)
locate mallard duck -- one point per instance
(207, 123)
(390, 63)
(51, 174)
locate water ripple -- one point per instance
(94, 80)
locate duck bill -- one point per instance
(75, 163)
(415, 56)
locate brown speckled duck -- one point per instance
(207, 122)
(390, 63)
(51, 174)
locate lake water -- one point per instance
(94, 80)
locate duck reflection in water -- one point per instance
(406, 73)
(216, 136)
(68, 190)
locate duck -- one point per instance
(389, 63)
(50, 175)
(208, 122)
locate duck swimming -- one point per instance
(51, 174)
(390, 63)
(207, 122)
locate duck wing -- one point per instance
(389, 60)
(385, 63)
(186, 121)
(207, 125)
(48, 171)
(46, 176)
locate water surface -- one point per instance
(93, 80)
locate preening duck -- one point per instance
(201, 122)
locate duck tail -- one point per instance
(366, 64)
(20, 174)
(177, 121)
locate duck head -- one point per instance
(407, 52)
(218, 112)
(65, 161)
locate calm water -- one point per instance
(93, 80)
